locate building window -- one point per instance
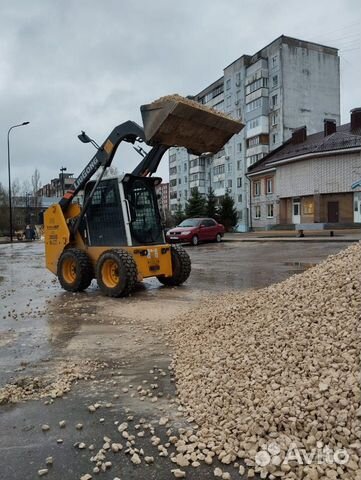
(185, 179)
(274, 118)
(239, 182)
(254, 105)
(274, 100)
(274, 61)
(252, 142)
(173, 195)
(228, 101)
(240, 198)
(172, 158)
(239, 164)
(173, 171)
(275, 80)
(308, 206)
(218, 170)
(230, 183)
(274, 138)
(270, 210)
(179, 181)
(257, 211)
(260, 83)
(185, 167)
(238, 78)
(252, 123)
(239, 147)
(257, 189)
(239, 113)
(173, 182)
(229, 167)
(185, 194)
(228, 84)
(269, 185)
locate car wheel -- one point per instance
(195, 240)
(218, 238)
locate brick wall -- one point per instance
(329, 174)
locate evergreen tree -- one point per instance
(178, 215)
(211, 206)
(228, 212)
(196, 205)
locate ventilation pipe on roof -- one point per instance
(355, 118)
(299, 135)
(329, 126)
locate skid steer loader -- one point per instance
(116, 236)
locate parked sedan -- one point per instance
(195, 230)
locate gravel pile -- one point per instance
(271, 374)
(178, 98)
(53, 385)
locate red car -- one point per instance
(195, 230)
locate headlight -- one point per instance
(185, 233)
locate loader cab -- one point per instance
(123, 212)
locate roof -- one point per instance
(296, 42)
(342, 139)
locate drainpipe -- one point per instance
(250, 225)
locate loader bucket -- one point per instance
(177, 121)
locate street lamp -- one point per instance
(62, 170)
(9, 174)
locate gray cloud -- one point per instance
(69, 65)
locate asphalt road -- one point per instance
(42, 327)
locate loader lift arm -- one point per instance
(129, 132)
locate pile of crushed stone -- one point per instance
(52, 385)
(272, 373)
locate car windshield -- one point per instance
(191, 222)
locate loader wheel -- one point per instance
(181, 266)
(75, 270)
(116, 273)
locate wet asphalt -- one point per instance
(41, 325)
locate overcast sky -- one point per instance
(71, 65)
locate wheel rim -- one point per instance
(218, 238)
(195, 240)
(110, 273)
(69, 270)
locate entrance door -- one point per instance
(332, 212)
(357, 207)
(296, 211)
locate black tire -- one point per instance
(116, 273)
(181, 265)
(218, 238)
(195, 240)
(75, 270)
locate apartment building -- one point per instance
(288, 83)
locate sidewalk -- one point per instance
(347, 236)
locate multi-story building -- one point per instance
(310, 178)
(163, 196)
(288, 83)
(57, 186)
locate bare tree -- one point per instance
(26, 188)
(36, 184)
(109, 172)
(4, 209)
(35, 181)
(15, 188)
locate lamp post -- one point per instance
(9, 174)
(62, 170)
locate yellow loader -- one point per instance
(116, 235)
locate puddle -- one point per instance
(302, 265)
